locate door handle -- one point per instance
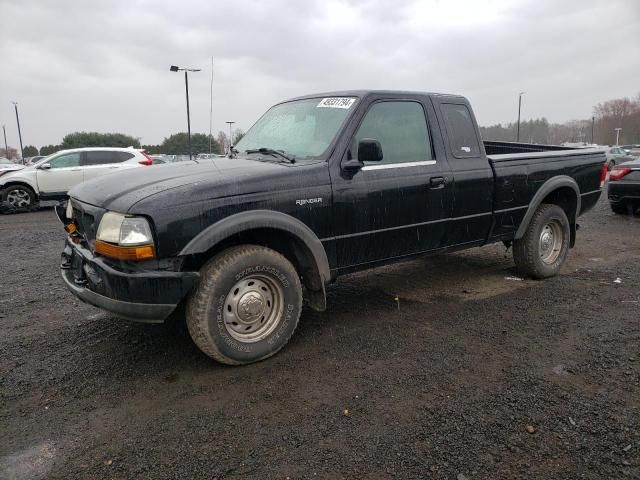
(76, 169)
(437, 182)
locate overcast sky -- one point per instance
(104, 65)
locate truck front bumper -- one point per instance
(123, 289)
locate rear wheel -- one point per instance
(543, 249)
(246, 306)
(620, 208)
(20, 197)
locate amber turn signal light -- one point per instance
(140, 252)
(70, 228)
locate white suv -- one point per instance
(53, 176)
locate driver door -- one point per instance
(63, 173)
(400, 205)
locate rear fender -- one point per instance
(549, 187)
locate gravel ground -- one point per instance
(449, 367)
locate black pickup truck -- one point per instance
(320, 186)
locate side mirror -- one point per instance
(45, 166)
(369, 150)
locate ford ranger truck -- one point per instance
(320, 186)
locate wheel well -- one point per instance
(24, 184)
(285, 243)
(565, 198)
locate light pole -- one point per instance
(519, 108)
(230, 135)
(15, 104)
(593, 124)
(174, 68)
(6, 148)
(211, 108)
(617, 134)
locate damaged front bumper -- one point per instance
(125, 290)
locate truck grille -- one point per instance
(87, 218)
(84, 221)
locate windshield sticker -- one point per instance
(336, 102)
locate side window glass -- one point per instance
(99, 157)
(63, 161)
(462, 134)
(401, 129)
(123, 156)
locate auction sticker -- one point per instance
(336, 102)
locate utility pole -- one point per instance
(186, 87)
(15, 104)
(211, 109)
(593, 123)
(617, 135)
(174, 68)
(6, 148)
(230, 136)
(519, 108)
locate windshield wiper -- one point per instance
(271, 151)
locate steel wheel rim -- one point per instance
(550, 242)
(19, 198)
(253, 308)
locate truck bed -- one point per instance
(508, 148)
(520, 169)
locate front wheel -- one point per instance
(19, 197)
(545, 244)
(246, 306)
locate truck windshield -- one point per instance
(301, 129)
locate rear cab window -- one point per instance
(463, 139)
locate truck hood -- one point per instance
(207, 179)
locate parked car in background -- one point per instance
(616, 155)
(7, 166)
(33, 160)
(624, 187)
(160, 159)
(633, 150)
(6, 163)
(206, 156)
(53, 176)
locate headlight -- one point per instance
(69, 210)
(124, 237)
(123, 230)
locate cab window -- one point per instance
(401, 128)
(463, 140)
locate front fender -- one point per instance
(254, 219)
(15, 178)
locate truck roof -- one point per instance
(365, 93)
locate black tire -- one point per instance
(237, 328)
(534, 254)
(620, 208)
(22, 198)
